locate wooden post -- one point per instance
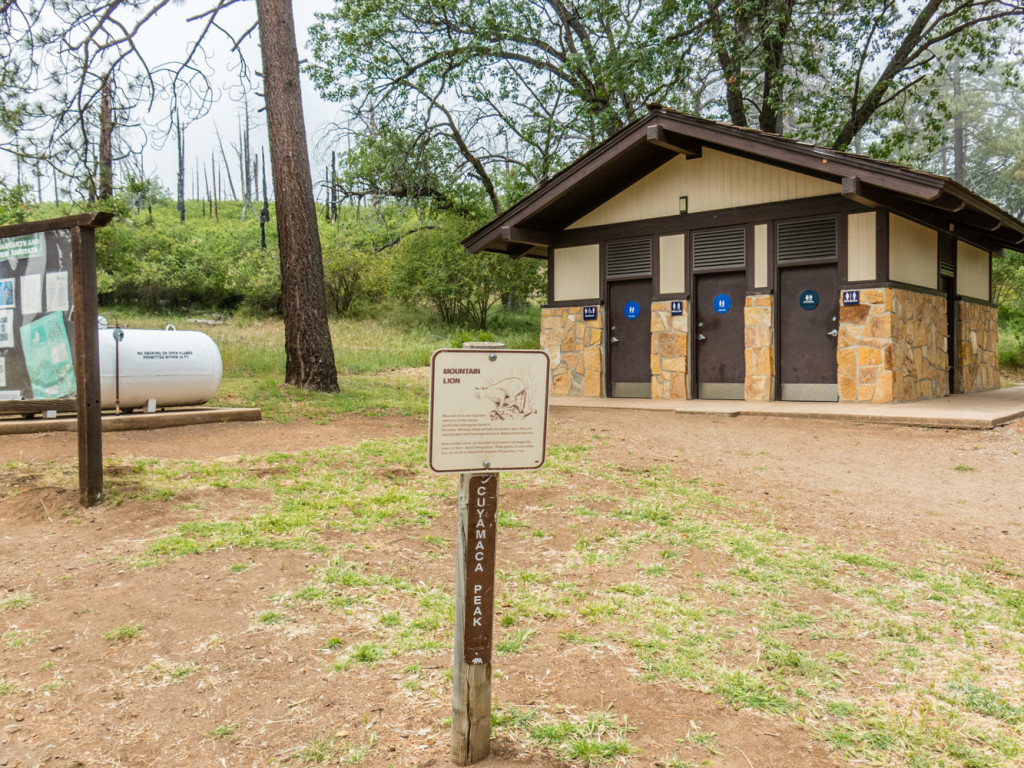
(87, 367)
(474, 617)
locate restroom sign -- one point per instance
(722, 303)
(677, 307)
(809, 300)
(590, 313)
(851, 298)
(632, 310)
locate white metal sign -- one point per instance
(488, 409)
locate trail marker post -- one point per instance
(488, 413)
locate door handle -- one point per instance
(833, 333)
(701, 337)
(614, 340)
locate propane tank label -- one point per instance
(182, 355)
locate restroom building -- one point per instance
(692, 259)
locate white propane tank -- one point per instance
(170, 366)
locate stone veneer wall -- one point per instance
(669, 344)
(920, 349)
(892, 347)
(977, 347)
(864, 353)
(759, 348)
(576, 347)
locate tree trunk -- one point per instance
(265, 210)
(307, 336)
(106, 143)
(181, 171)
(959, 130)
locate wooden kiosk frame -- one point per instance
(82, 229)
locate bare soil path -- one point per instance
(210, 681)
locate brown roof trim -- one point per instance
(686, 134)
(558, 185)
(86, 220)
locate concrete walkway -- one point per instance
(982, 410)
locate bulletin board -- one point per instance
(49, 347)
(37, 334)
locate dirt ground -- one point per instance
(904, 492)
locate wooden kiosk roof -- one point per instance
(529, 227)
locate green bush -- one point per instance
(15, 204)
(157, 261)
(1011, 337)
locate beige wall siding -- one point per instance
(972, 265)
(577, 273)
(672, 259)
(913, 253)
(861, 246)
(711, 182)
(761, 256)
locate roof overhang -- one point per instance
(532, 226)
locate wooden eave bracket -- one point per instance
(852, 189)
(526, 236)
(518, 250)
(659, 136)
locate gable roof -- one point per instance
(530, 226)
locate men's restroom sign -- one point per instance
(722, 303)
(632, 310)
(809, 300)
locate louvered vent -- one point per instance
(947, 256)
(724, 249)
(632, 259)
(815, 239)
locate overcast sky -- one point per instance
(165, 39)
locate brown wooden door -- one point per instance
(808, 300)
(719, 335)
(629, 338)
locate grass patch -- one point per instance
(17, 601)
(123, 633)
(223, 731)
(742, 689)
(593, 739)
(319, 749)
(515, 642)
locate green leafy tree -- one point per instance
(431, 266)
(516, 89)
(512, 88)
(15, 203)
